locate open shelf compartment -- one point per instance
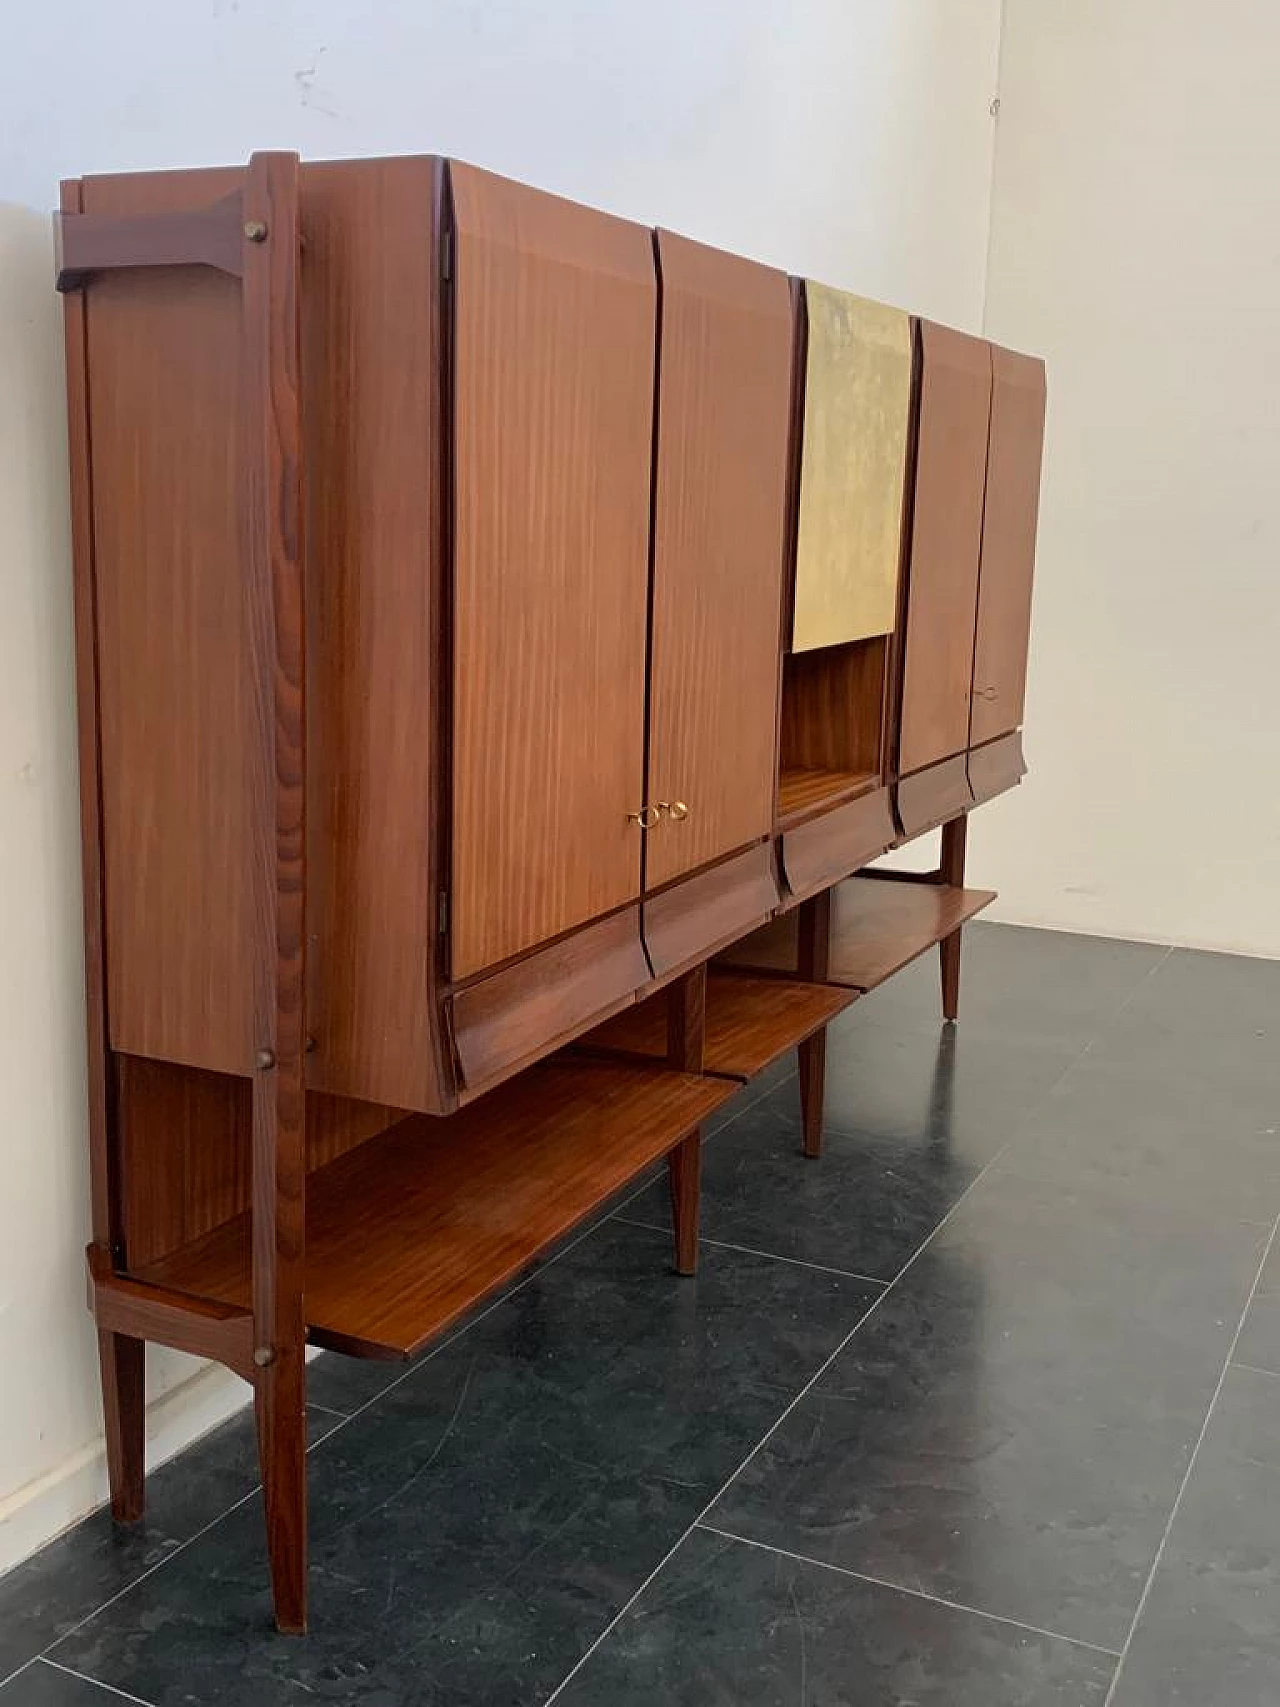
(750, 1022)
(407, 1231)
(878, 926)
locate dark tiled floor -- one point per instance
(981, 1409)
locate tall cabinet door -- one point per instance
(1008, 544)
(554, 330)
(719, 507)
(946, 543)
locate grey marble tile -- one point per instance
(41, 1685)
(1209, 1635)
(1021, 985)
(70, 1578)
(1010, 1427)
(1259, 1342)
(864, 1207)
(727, 1625)
(477, 1527)
(1157, 1141)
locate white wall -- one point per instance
(1136, 245)
(845, 138)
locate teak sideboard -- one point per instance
(503, 633)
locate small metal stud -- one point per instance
(265, 1058)
(263, 1356)
(255, 230)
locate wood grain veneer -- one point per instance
(409, 1230)
(1008, 544)
(750, 1022)
(693, 918)
(820, 851)
(929, 797)
(720, 478)
(946, 536)
(995, 767)
(554, 329)
(372, 350)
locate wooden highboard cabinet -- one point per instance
(505, 633)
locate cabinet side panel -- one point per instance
(371, 396)
(942, 596)
(554, 317)
(1008, 544)
(724, 405)
(164, 375)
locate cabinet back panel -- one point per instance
(554, 316)
(1008, 544)
(371, 393)
(175, 721)
(857, 407)
(719, 508)
(942, 597)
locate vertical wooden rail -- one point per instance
(686, 1030)
(273, 568)
(812, 967)
(120, 1355)
(951, 871)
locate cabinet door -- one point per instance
(719, 504)
(946, 542)
(857, 407)
(554, 328)
(1008, 544)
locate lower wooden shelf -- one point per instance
(413, 1227)
(878, 925)
(749, 1022)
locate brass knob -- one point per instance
(646, 817)
(675, 809)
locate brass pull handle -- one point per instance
(674, 809)
(646, 817)
(984, 693)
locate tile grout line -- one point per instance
(110, 1689)
(914, 1593)
(776, 1425)
(1191, 1464)
(25, 1666)
(1255, 1369)
(350, 1416)
(328, 1411)
(755, 1251)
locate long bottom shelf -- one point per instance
(408, 1231)
(749, 1022)
(878, 926)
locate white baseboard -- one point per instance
(37, 1512)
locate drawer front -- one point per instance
(822, 851)
(997, 766)
(933, 796)
(692, 920)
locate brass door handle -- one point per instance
(674, 809)
(646, 817)
(984, 693)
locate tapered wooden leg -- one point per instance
(684, 1167)
(813, 1084)
(952, 872)
(123, 1408)
(280, 1403)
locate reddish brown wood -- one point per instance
(720, 487)
(950, 474)
(99, 243)
(821, 851)
(409, 1230)
(878, 928)
(132, 1309)
(121, 1359)
(273, 557)
(995, 767)
(692, 919)
(516, 1016)
(930, 797)
(954, 836)
(684, 1169)
(164, 376)
(813, 950)
(750, 1022)
(371, 372)
(554, 335)
(832, 740)
(686, 1003)
(1008, 544)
